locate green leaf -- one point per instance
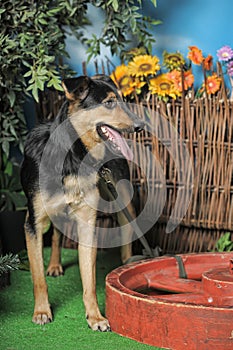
(6, 147)
(49, 59)
(133, 24)
(39, 83)
(42, 71)
(28, 74)
(115, 5)
(53, 11)
(11, 97)
(54, 82)
(21, 147)
(13, 132)
(35, 92)
(8, 168)
(154, 2)
(73, 12)
(42, 21)
(155, 22)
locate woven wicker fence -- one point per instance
(205, 129)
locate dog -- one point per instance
(60, 175)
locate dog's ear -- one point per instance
(105, 79)
(108, 80)
(76, 89)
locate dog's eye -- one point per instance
(110, 104)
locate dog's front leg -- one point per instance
(42, 312)
(87, 262)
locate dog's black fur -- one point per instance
(61, 161)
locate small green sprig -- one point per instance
(224, 244)
(9, 262)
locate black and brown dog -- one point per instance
(60, 175)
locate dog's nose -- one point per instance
(139, 126)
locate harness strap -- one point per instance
(106, 175)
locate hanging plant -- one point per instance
(33, 44)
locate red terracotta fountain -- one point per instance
(156, 303)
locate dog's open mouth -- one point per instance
(115, 141)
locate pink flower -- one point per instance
(225, 53)
(230, 68)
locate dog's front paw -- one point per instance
(55, 270)
(42, 317)
(99, 324)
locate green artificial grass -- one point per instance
(69, 330)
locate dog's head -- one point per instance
(99, 115)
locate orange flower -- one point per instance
(188, 79)
(175, 76)
(213, 83)
(208, 62)
(195, 55)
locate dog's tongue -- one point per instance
(121, 143)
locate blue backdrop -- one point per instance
(207, 24)
(204, 23)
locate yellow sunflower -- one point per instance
(123, 80)
(173, 60)
(138, 84)
(163, 86)
(143, 65)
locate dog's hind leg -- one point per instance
(55, 267)
(34, 239)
